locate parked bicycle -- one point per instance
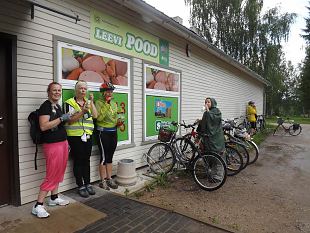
(208, 170)
(260, 123)
(287, 127)
(231, 156)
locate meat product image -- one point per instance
(172, 81)
(69, 64)
(120, 80)
(151, 84)
(91, 76)
(160, 86)
(120, 68)
(149, 78)
(161, 77)
(94, 63)
(74, 74)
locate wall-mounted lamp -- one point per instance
(188, 50)
(33, 4)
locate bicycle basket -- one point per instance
(165, 134)
(280, 121)
(296, 126)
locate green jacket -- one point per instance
(211, 124)
(107, 114)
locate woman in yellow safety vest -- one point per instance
(79, 131)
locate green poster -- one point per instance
(160, 111)
(121, 100)
(116, 35)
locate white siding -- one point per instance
(202, 75)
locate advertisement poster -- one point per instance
(93, 67)
(161, 79)
(160, 111)
(116, 35)
(121, 100)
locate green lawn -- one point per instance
(297, 119)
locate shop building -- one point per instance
(162, 72)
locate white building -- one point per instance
(162, 70)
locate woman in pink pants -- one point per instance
(55, 149)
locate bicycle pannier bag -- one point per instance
(295, 126)
(164, 134)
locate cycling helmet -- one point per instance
(106, 87)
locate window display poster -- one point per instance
(160, 111)
(121, 100)
(158, 79)
(81, 65)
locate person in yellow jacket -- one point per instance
(251, 115)
(79, 132)
(107, 122)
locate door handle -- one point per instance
(1, 118)
(1, 142)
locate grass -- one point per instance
(297, 119)
(160, 180)
(259, 137)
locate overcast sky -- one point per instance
(294, 49)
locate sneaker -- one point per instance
(40, 211)
(90, 189)
(83, 192)
(57, 201)
(111, 183)
(103, 185)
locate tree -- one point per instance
(241, 31)
(305, 71)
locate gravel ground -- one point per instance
(271, 195)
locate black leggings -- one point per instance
(80, 152)
(107, 142)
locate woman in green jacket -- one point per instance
(211, 125)
(107, 122)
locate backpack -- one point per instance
(35, 132)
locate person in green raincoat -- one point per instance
(211, 125)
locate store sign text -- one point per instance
(133, 42)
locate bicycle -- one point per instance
(292, 129)
(241, 136)
(231, 156)
(260, 123)
(208, 171)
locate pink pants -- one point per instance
(56, 157)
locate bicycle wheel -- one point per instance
(252, 150)
(187, 148)
(242, 150)
(209, 171)
(234, 161)
(294, 132)
(160, 158)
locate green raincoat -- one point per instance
(211, 124)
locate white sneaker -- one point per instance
(57, 201)
(40, 211)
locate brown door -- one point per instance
(5, 119)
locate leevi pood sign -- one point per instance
(116, 35)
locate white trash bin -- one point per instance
(126, 172)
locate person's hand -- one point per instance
(206, 107)
(64, 117)
(91, 97)
(86, 107)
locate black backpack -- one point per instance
(35, 132)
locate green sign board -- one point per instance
(121, 100)
(160, 111)
(116, 35)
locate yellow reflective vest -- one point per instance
(81, 126)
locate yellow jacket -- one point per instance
(251, 112)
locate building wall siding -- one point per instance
(202, 75)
